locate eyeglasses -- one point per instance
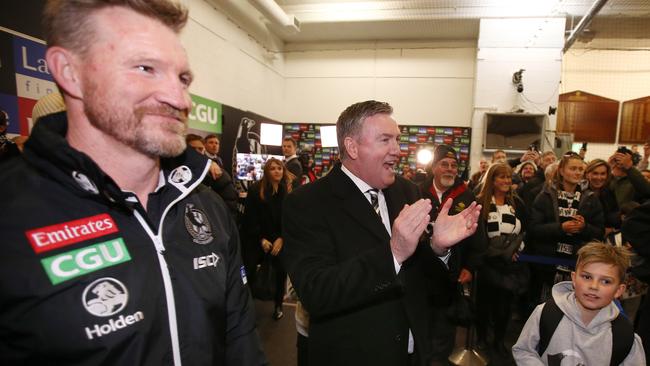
(446, 165)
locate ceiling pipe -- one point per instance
(273, 12)
(584, 22)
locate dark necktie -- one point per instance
(374, 200)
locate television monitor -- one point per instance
(250, 166)
(513, 131)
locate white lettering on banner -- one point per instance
(42, 65)
(33, 88)
(205, 114)
(210, 260)
(121, 322)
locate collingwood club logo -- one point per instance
(106, 297)
(180, 175)
(197, 225)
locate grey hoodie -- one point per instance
(573, 343)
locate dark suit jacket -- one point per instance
(294, 166)
(338, 256)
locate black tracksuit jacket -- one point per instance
(88, 277)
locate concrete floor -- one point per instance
(279, 336)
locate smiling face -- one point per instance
(502, 182)
(527, 172)
(134, 82)
(445, 172)
(573, 171)
(596, 285)
(597, 177)
(374, 153)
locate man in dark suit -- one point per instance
(289, 149)
(353, 251)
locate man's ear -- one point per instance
(351, 147)
(63, 66)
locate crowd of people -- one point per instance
(127, 233)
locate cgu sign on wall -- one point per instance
(205, 115)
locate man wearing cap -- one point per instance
(443, 184)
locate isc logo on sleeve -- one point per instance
(78, 262)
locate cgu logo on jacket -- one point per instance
(78, 262)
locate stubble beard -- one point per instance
(154, 139)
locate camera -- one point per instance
(532, 147)
(624, 150)
(584, 146)
(517, 79)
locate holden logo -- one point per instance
(105, 297)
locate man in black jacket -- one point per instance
(113, 252)
(442, 184)
(353, 251)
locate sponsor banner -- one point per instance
(25, 108)
(29, 58)
(205, 115)
(33, 88)
(78, 262)
(60, 235)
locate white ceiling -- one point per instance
(387, 20)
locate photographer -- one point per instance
(628, 184)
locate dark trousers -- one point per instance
(443, 334)
(280, 281)
(493, 310)
(302, 346)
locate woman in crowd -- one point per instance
(262, 225)
(598, 174)
(500, 277)
(563, 219)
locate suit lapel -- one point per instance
(355, 205)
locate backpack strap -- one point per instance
(548, 322)
(622, 339)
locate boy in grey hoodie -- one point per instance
(583, 336)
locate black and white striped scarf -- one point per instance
(501, 221)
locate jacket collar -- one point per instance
(48, 151)
(355, 204)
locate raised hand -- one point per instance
(407, 229)
(449, 230)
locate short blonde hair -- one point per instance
(68, 23)
(598, 252)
